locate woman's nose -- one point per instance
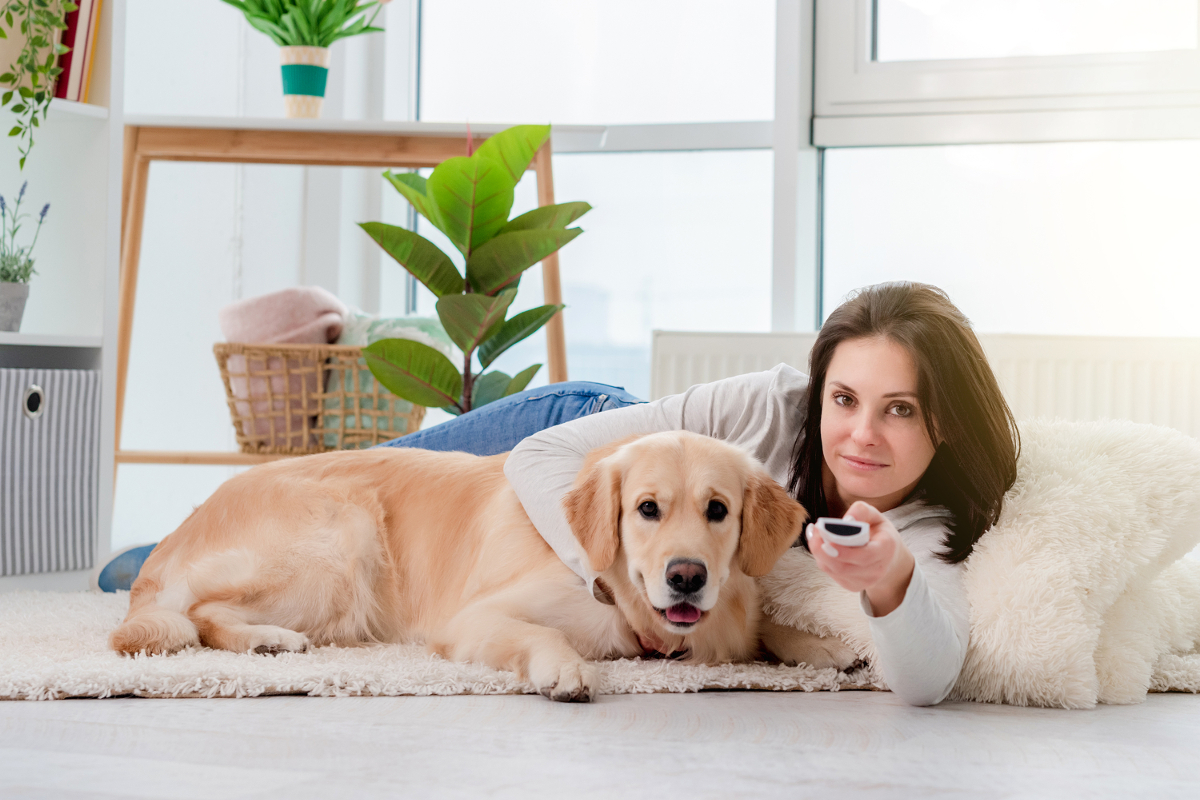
(864, 430)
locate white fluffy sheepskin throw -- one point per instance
(53, 645)
(1080, 593)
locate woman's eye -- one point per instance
(839, 398)
(716, 511)
(649, 509)
(902, 410)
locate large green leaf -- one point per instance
(414, 371)
(558, 216)
(514, 330)
(514, 147)
(502, 260)
(418, 255)
(471, 318)
(413, 187)
(473, 197)
(489, 387)
(521, 380)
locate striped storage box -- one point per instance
(49, 448)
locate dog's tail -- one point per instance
(149, 628)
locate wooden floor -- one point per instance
(720, 744)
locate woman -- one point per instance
(905, 429)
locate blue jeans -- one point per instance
(499, 426)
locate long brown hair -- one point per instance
(976, 463)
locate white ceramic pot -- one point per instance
(12, 305)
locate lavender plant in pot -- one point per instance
(16, 263)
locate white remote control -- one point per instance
(842, 532)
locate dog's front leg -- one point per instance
(793, 646)
(543, 656)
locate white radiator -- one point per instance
(1067, 377)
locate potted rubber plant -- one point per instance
(304, 30)
(16, 263)
(469, 198)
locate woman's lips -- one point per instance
(863, 464)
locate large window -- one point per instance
(1053, 185)
(668, 244)
(676, 239)
(1082, 238)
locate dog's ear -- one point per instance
(594, 510)
(771, 522)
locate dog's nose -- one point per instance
(686, 576)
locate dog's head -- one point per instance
(685, 511)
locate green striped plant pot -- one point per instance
(305, 70)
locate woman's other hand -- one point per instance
(882, 568)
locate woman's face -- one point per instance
(872, 431)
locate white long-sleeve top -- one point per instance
(922, 643)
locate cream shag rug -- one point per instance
(54, 645)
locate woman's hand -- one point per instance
(882, 567)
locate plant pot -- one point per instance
(305, 70)
(12, 305)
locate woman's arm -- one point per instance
(914, 601)
(921, 644)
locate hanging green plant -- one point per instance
(469, 199)
(30, 79)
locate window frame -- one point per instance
(859, 101)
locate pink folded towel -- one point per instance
(300, 315)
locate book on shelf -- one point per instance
(80, 35)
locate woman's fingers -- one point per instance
(864, 512)
(817, 544)
(831, 563)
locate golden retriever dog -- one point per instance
(403, 545)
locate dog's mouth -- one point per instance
(681, 614)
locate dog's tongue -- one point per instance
(684, 612)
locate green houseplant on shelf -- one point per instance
(36, 26)
(304, 30)
(469, 199)
(16, 263)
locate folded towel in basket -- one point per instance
(299, 315)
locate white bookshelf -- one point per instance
(49, 340)
(71, 316)
(60, 107)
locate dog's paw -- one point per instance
(830, 652)
(793, 646)
(270, 640)
(569, 682)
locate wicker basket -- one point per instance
(308, 398)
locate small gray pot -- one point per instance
(12, 305)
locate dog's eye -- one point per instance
(716, 511)
(649, 509)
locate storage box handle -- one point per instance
(35, 401)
